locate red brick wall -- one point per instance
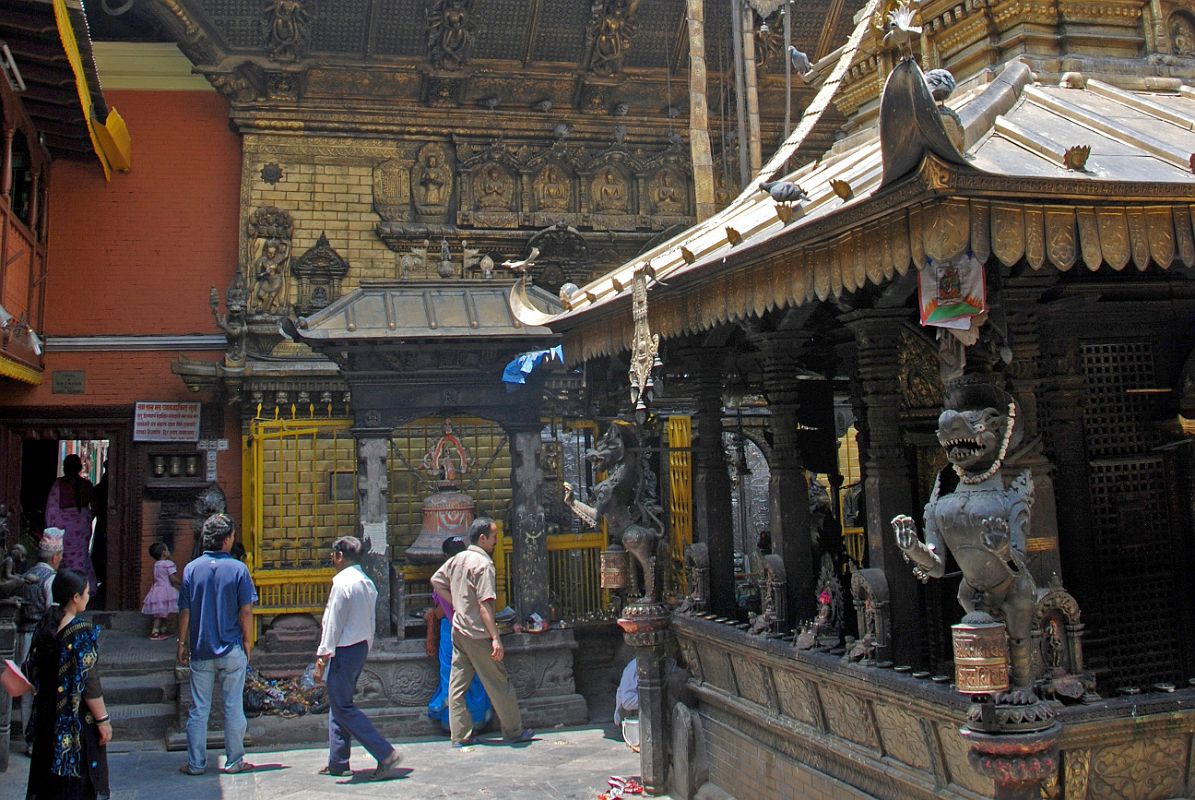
(137, 255)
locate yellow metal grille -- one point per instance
(679, 430)
(292, 591)
(574, 584)
(297, 504)
(854, 539)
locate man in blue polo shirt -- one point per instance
(215, 619)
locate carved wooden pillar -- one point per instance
(529, 559)
(6, 164)
(699, 134)
(373, 489)
(887, 485)
(713, 524)
(788, 491)
(1020, 298)
(749, 77)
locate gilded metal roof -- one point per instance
(441, 310)
(1014, 164)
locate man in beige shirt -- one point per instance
(467, 581)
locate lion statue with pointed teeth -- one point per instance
(980, 518)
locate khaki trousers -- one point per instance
(469, 657)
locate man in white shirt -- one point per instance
(347, 636)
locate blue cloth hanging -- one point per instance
(524, 364)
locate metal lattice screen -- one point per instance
(1133, 529)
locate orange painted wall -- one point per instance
(138, 255)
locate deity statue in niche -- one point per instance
(494, 189)
(666, 194)
(610, 191)
(1182, 35)
(612, 25)
(552, 189)
(270, 280)
(287, 25)
(450, 34)
(431, 180)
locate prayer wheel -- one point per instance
(981, 661)
(614, 568)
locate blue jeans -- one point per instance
(345, 721)
(229, 669)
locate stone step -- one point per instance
(155, 687)
(142, 721)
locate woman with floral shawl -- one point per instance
(69, 728)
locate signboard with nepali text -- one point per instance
(166, 422)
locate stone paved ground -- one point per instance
(559, 765)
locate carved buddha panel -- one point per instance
(493, 188)
(610, 191)
(667, 193)
(553, 188)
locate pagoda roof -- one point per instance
(885, 200)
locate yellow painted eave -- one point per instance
(15, 370)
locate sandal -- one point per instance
(383, 771)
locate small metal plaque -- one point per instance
(67, 381)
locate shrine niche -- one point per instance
(392, 190)
(491, 191)
(494, 189)
(553, 188)
(451, 32)
(1181, 27)
(610, 191)
(268, 241)
(667, 193)
(563, 257)
(287, 27)
(319, 272)
(431, 183)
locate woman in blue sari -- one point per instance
(439, 641)
(69, 728)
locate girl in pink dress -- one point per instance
(162, 600)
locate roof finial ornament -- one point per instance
(900, 30)
(645, 348)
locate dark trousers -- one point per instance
(345, 720)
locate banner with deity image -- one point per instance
(952, 292)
